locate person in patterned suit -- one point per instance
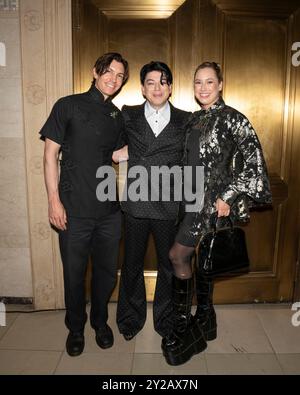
(222, 141)
(155, 134)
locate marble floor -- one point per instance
(252, 339)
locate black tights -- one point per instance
(180, 257)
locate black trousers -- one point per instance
(132, 306)
(98, 238)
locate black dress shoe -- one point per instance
(104, 337)
(75, 343)
(128, 336)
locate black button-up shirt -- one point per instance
(88, 130)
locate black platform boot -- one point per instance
(187, 338)
(205, 313)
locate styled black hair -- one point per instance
(156, 66)
(104, 61)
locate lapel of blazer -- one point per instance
(169, 128)
(175, 118)
(142, 126)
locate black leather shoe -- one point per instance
(104, 337)
(128, 336)
(75, 343)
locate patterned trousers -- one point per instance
(132, 306)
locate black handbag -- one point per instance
(223, 250)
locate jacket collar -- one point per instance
(97, 95)
(218, 105)
(150, 111)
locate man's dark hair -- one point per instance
(102, 64)
(156, 66)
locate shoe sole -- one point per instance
(128, 338)
(104, 347)
(186, 355)
(74, 354)
(211, 335)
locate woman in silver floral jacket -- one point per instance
(224, 143)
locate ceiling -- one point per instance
(138, 9)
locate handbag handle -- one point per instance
(215, 227)
(208, 261)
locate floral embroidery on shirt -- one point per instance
(114, 114)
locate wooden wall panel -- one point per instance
(208, 44)
(254, 83)
(256, 41)
(139, 41)
(182, 35)
(89, 42)
(46, 47)
(254, 78)
(289, 249)
(252, 41)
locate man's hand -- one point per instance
(121, 155)
(57, 214)
(223, 208)
(56, 211)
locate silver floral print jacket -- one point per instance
(233, 161)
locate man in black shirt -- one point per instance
(86, 129)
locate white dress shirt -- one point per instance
(157, 119)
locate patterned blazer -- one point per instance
(233, 162)
(146, 150)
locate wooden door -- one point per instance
(252, 40)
